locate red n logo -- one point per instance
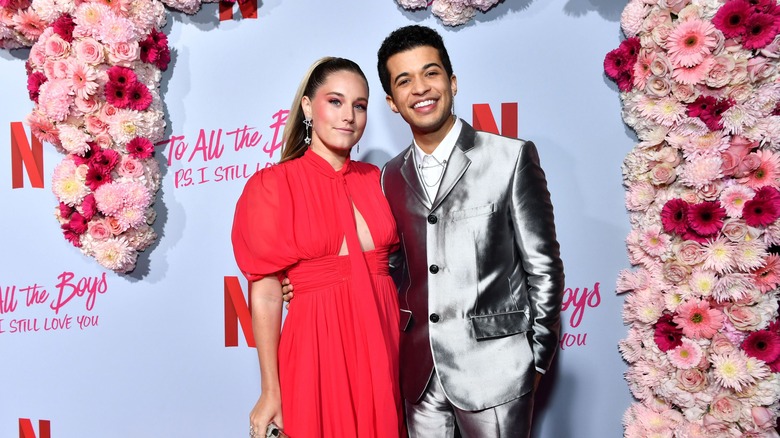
(483, 119)
(248, 9)
(22, 153)
(26, 428)
(237, 311)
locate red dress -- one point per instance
(338, 351)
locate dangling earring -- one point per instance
(307, 123)
(358, 148)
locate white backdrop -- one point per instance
(153, 361)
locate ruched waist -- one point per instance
(311, 275)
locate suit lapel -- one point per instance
(456, 165)
(412, 180)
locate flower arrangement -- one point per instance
(94, 73)
(450, 12)
(700, 85)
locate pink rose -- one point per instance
(658, 86)
(55, 69)
(114, 226)
(37, 56)
(81, 172)
(726, 408)
(720, 344)
(692, 379)
(98, 229)
(108, 112)
(773, 49)
(89, 51)
(124, 52)
(87, 106)
(663, 174)
(759, 68)
(762, 417)
(748, 164)
(104, 140)
(56, 47)
(684, 92)
(743, 317)
(94, 125)
(711, 191)
(734, 229)
(674, 5)
(130, 167)
(675, 272)
(720, 73)
(690, 253)
(668, 155)
(729, 162)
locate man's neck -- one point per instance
(429, 141)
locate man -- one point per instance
(479, 273)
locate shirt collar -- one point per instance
(444, 149)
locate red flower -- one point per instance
(154, 49)
(88, 155)
(763, 345)
(116, 94)
(96, 177)
(763, 209)
(164, 57)
(139, 97)
(619, 63)
(105, 159)
(731, 17)
(140, 147)
(77, 223)
(121, 75)
(761, 29)
(667, 335)
(706, 218)
(709, 110)
(89, 206)
(66, 210)
(64, 26)
(34, 82)
(70, 236)
(674, 216)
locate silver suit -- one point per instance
(479, 272)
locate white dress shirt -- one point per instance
(430, 167)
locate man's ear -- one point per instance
(391, 103)
(306, 106)
(454, 85)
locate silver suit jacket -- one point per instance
(479, 272)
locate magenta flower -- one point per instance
(731, 18)
(763, 209)
(761, 29)
(34, 82)
(70, 236)
(64, 26)
(138, 97)
(89, 206)
(154, 49)
(65, 210)
(116, 94)
(140, 147)
(122, 76)
(619, 63)
(105, 159)
(674, 216)
(698, 320)
(763, 345)
(77, 223)
(96, 177)
(667, 335)
(706, 218)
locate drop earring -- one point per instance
(307, 124)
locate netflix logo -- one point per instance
(26, 429)
(26, 154)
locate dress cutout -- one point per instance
(338, 351)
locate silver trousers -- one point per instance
(435, 417)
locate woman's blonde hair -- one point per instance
(294, 130)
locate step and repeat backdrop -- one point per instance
(165, 350)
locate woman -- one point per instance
(321, 220)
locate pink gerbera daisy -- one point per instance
(767, 277)
(43, 128)
(84, 79)
(731, 18)
(733, 199)
(686, 355)
(767, 172)
(706, 218)
(140, 147)
(29, 24)
(761, 29)
(122, 76)
(692, 75)
(698, 320)
(691, 41)
(89, 206)
(116, 95)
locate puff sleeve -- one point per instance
(262, 241)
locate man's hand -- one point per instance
(287, 292)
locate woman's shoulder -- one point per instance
(365, 168)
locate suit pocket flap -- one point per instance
(472, 212)
(406, 319)
(499, 324)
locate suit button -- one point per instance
(434, 318)
(432, 219)
(434, 269)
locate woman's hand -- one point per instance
(268, 409)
